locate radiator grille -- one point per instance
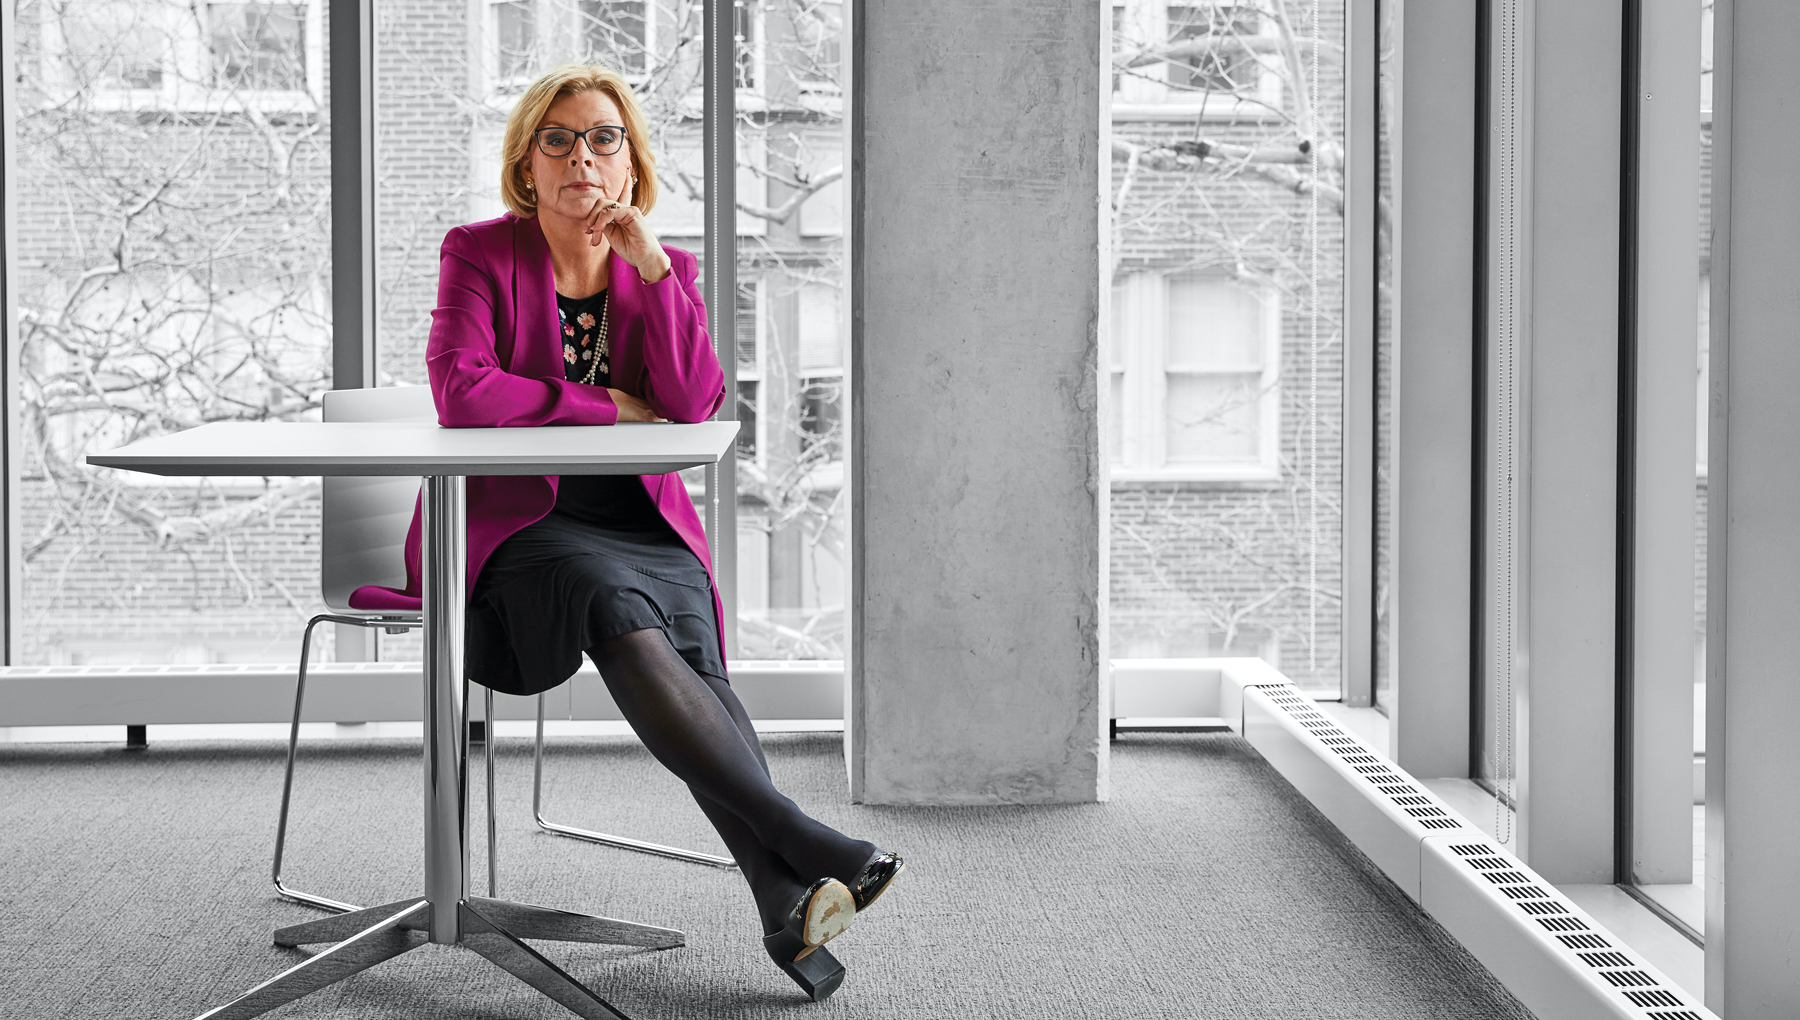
(1627, 976)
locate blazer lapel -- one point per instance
(537, 347)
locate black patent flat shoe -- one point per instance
(822, 913)
(875, 877)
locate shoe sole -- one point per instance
(828, 915)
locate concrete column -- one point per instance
(978, 488)
(1752, 696)
(1434, 177)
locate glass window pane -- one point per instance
(1206, 51)
(1229, 304)
(744, 28)
(258, 46)
(1212, 419)
(617, 34)
(1664, 816)
(1214, 324)
(818, 45)
(107, 44)
(821, 329)
(515, 39)
(220, 311)
(790, 195)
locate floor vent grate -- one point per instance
(1627, 978)
(1613, 971)
(1583, 942)
(1525, 892)
(1655, 998)
(1561, 923)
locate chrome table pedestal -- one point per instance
(446, 914)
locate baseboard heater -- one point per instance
(1557, 960)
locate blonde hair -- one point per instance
(568, 80)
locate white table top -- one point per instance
(422, 448)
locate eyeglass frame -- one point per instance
(624, 136)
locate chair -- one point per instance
(362, 532)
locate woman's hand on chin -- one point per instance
(623, 226)
(632, 408)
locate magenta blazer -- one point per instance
(495, 358)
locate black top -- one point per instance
(617, 502)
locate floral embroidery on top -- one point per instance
(584, 346)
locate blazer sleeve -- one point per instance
(469, 385)
(682, 380)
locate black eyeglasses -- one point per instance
(601, 141)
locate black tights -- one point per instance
(697, 728)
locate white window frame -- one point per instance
(1143, 96)
(1143, 313)
(187, 71)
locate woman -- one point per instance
(568, 311)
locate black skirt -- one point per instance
(562, 585)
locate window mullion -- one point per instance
(719, 146)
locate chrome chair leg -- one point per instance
(392, 624)
(537, 812)
(287, 784)
(493, 854)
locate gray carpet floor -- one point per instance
(134, 884)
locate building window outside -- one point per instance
(512, 29)
(164, 55)
(821, 374)
(258, 46)
(1214, 58)
(745, 16)
(822, 213)
(818, 50)
(1207, 51)
(1195, 379)
(619, 35)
